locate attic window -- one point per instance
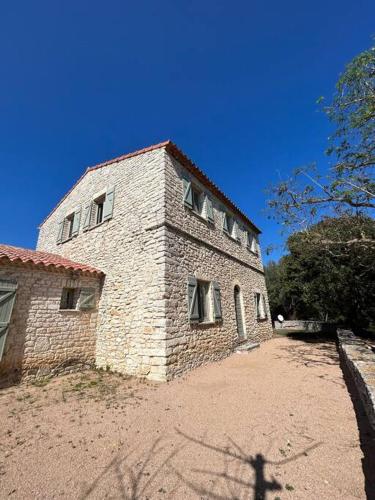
(97, 210)
(68, 227)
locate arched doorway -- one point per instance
(239, 313)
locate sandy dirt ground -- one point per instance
(276, 423)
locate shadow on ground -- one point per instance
(311, 349)
(240, 475)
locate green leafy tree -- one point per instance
(348, 187)
(329, 283)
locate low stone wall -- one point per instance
(306, 325)
(360, 359)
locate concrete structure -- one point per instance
(184, 280)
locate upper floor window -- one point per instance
(252, 243)
(99, 210)
(199, 202)
(69, 226)
(230, 227)
(96, 215)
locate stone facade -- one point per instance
(42, 339)
(147, 250)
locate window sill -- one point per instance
(77, 310)
(232, 238)
(206, 323)
(68, 239)
(200, 217)
(95, 226)
(252, 251)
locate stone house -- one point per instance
(182, 279)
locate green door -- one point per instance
(7, 296)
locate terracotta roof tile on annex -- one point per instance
(48, 260)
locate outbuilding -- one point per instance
(48, 313)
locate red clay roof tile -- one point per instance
(27, 256)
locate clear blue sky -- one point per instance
(234, 84)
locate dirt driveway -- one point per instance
(275, 423)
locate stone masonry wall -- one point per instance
(131, 323)
(360, 360)
(42, 338)
(195, 247)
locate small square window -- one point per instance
(69, 298)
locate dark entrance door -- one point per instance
(239, 315)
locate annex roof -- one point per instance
(186, 162)
(48, 260)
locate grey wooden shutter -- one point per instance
(225, 223)
(108, 203)
(76, 222)
(60, 231)
(7, 296)
(188, 193)
(87, 298)
(86, 217)
(193, 299)
(256, 305)
(236, 231)
(264, 306)
(209, 210)
(217, 300)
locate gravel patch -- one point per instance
(277, 422)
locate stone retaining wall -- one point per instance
(360, 359)
(306, 325)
